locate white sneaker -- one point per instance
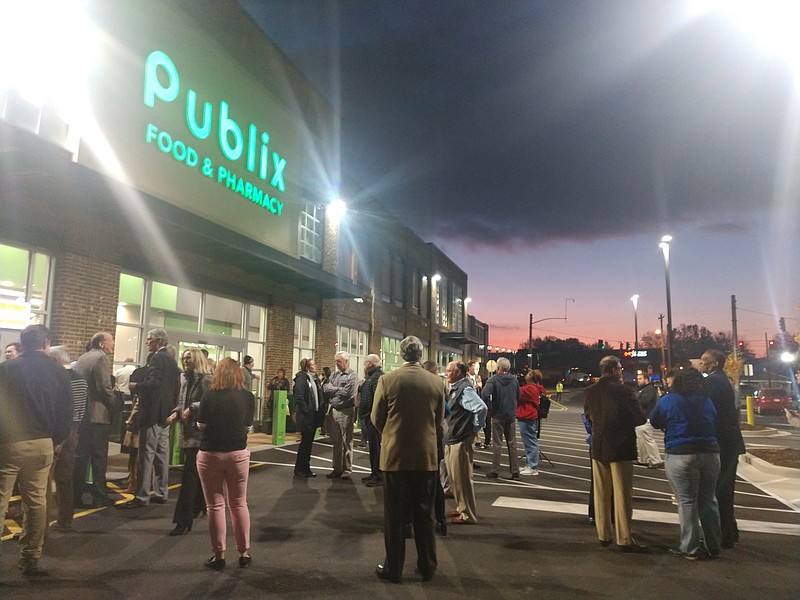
(528, 471)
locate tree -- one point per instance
(690, 341)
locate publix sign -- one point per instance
(249, 167)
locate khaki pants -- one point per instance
(458, 458)
(613, 478)
(27, 463)
(340, 425)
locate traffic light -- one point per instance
(741, 345)
(627, 345)
(601, 344)
(782, 325)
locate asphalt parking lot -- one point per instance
(322, 539)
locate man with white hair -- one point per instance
(408, 411)
(501, 392)
(340, 392)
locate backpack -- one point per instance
(544, 406)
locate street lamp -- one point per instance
(635, 300)
(664, 245)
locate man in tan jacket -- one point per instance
(408, 410)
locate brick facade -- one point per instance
(85, 300)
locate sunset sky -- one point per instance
(546, 146)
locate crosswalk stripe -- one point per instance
(652, 516)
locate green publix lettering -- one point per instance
(231, 139)
(246, 189)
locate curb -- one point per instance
(767, 467)
(766, 432)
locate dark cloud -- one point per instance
(528, 122)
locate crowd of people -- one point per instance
(421, 431)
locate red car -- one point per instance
(772, 399)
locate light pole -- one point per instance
(664, 245)
(635, 300)
(531, 323)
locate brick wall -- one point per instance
(86, 292)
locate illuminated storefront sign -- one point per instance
(242, 149)
(635, 354)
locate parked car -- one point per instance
(771, 399)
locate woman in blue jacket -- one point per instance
(687, 417)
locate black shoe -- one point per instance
(304, 475)
(344, 477)
(656, 466)
(30, 567)
(101, 502)
(217, 564)
(383, 573)
(374, 482)
(333, 475)
(424, 574)
(515, 476)
(441, 527)
(634, 549)
(686, 555)
(135, 503)
(244, 561)
(157, 500)
(591, 521)
(605, 543)
(180, 530)
(491, 476)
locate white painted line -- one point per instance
(652, 516)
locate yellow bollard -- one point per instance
(751, 417)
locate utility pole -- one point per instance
(735, 343)
(663, 364)
(734, 329)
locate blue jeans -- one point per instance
(528, 431)
(693, 478)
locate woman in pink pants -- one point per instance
(225, 415)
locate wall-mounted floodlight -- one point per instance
(337, 209)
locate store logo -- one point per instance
(162, 83)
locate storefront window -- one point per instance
(127, 343)
(390, 354)
(354, 342)
(304, 339)
(24, 287)
(256, 326)
(174, 308)
(222, 316)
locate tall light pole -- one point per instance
(635, 300)
(531, 323)
(664, 245)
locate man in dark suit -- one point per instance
(95, 368)
(729, 437)
(408, 410)
(158, 395)
(615, 413)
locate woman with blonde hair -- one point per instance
(195, 381)
(225, 415)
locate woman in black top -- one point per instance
(226, 413)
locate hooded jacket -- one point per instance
(501, 393)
